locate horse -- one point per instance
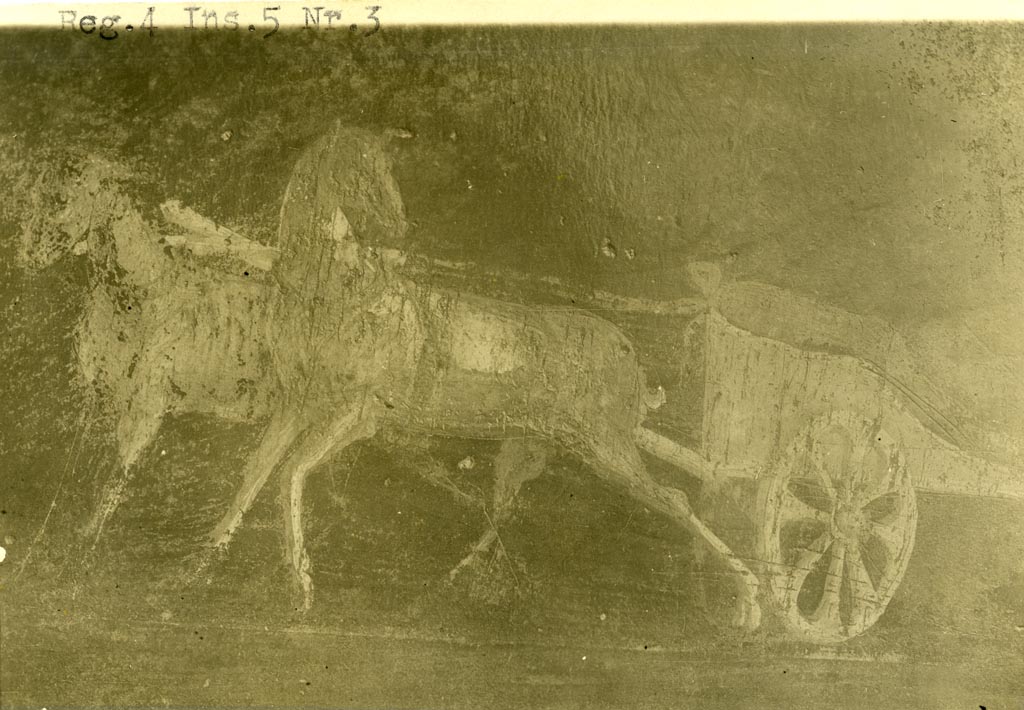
(325, 340)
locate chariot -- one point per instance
(818, 424)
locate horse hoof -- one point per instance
(747, 616)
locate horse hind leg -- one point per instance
(110, 500)
(519, 460)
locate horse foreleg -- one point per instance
(281, 434)
(136, 429)
(110, 500)
(317, 445)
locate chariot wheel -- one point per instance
(838, 517)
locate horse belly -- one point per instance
(501, 368)
(218, 353)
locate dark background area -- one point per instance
(874, 168)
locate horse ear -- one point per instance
(346, 248)
(341, 228)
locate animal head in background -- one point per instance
(66, 205)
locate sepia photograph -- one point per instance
(357, 364)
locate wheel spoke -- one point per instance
(805, 563)
(832, 452)
(810, 490)
(811, 554)
(826, 480)
(793, 509)
(863, 596)
(884, 482)
(871, 468)
(810, 469)
(891, 537)
(828, 607)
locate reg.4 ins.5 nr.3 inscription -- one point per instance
(363, 21)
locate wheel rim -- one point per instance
(839, 521)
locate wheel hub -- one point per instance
(847, 523)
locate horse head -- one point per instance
(342, 203)
(68, 203)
